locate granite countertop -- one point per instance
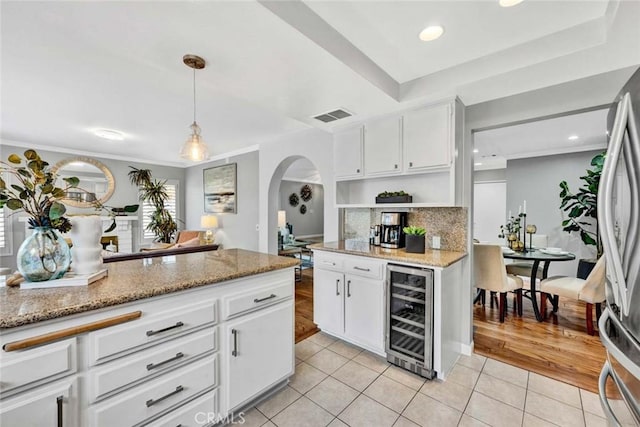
(134, 280)
(432, 257)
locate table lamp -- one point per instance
(208, 222)
(282, 227)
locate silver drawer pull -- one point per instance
(178, 356)
(234, 352)
(257, 300)
(59, 401)
(361, 269)
(168, 328)
(328, 263)
(152, 402)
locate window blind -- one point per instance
(148, 209)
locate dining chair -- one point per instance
(491, 275)
(590, 290)
(523, 268)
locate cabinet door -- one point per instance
(427, 138)
(259, 352)
(364, 311)
(347, 153)
(328, 301)
(382, 146)
(55, 406)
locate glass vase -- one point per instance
(44, 255)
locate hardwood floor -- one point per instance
(559, 347)
(304, 306)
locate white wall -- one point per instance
(125, 193)
(312, 222)
(275, 158)
(236, 230)
(537, 180)
(488, 211)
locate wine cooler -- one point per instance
(409, 332)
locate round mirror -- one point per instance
(96, 181)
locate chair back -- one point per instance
(489, 269)
(594, 286)
(540, 240)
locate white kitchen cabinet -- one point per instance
(54, 405)
(383, 147)
(349, 303)
(259, 352)
(363, 317)
(428, 141)
(348, 153)
(328, 299)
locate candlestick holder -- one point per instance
(531, 230)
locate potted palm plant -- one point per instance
(582, 211)
(153, 191)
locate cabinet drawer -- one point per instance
(21, 369)
(328, 260)
(153, 398)
(197, 413)
(256, 298)
(150, 362)
(363, 267)
(115, 341)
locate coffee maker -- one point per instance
(392, 234)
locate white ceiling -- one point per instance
(70, 67)
(540, 138)
(302, 170)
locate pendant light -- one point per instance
(194, 148)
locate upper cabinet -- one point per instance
(347, 153)
(428, 141)
(382, 147)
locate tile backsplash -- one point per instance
(448, 223)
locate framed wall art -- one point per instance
(220, 189)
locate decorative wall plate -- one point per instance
(303, 209)
(294, 200)
(306, 192)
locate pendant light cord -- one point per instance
(194, 94)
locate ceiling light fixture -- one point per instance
(194, 148)
(112, 135)
(509, 3)
(477, 164)
(431, 33)
(573, 137)
(475, 150)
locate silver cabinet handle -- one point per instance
(357, 170)
(410, 164)
(604, 402)
(168, 328)
(328, 263)
(178, 356)
(395, 166)
(337, 287)
(361, 269)
(234, 353)
(348, 288)
(59, 401)
(152, 402)
(257, 300)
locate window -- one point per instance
(171, 205)
(5, 232)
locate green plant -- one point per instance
(512, 226)
(35, 192)
(153, 191)
(414, 231)
(392, 194)
(582, 206)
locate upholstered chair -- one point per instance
(523, 268)
(491, 275)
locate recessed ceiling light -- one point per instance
(573, 137)
(509, 3)
(475, 150)
(477, 164)
(112, 135)
(430, 33)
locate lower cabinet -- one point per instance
(350, 305)
(259, 352)
(54, 405)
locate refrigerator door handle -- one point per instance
(604, 401)
(605, 214)
(613, 349)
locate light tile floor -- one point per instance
(338, 384)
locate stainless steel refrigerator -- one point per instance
(619, 222)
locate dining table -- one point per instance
(537, 256)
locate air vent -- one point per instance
(333, 116)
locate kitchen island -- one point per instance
(157, 342)
(352, 299)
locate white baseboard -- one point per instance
(466, 349)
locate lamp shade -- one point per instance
(282, 219)
(209, 221)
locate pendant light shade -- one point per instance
(194, 148)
